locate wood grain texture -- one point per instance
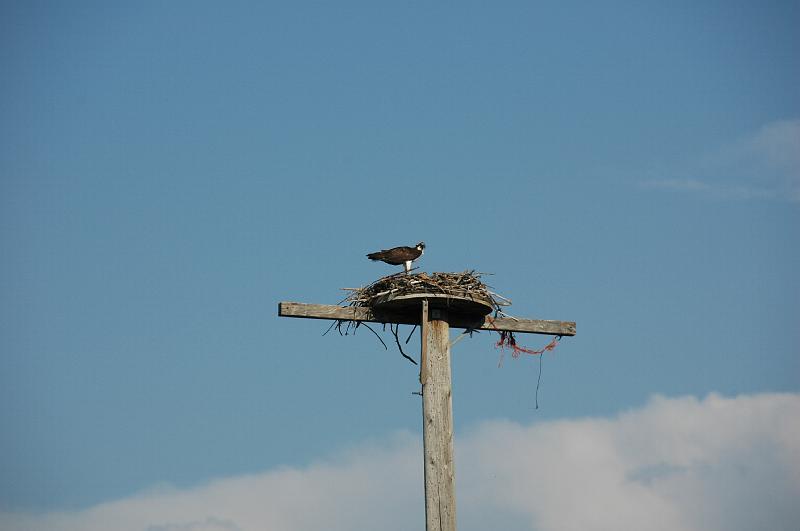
(327, 311)
(423, 351)
(437, 424)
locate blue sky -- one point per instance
(168, 173)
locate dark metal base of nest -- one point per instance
(469, 307)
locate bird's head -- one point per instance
(420, 246)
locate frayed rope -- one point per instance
(507, 340)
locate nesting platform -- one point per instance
(397, 299)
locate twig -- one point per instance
(376, 334)
(503, 299)
(508, 315)
(411, 334)
(539, 380)
(331, 327)
(397, 340)
(462, 335)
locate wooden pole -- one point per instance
(434, 375)
(437, 421)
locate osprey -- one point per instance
(399, 255)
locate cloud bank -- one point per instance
(763, 165)
(677, 464)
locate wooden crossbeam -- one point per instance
(327, 311)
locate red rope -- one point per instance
(507, 340)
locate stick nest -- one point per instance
(467, 284)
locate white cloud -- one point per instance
(678, 464)
(777, 146)
(763, 165)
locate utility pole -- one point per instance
(435, 313)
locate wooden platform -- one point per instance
(481, 321)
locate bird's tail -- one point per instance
(376, 256)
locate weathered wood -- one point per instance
(437, 421)
(423, 350)
(327, 311)
(324, 311)
(528, 326)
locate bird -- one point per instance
(399, 255)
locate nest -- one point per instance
(462, 285)
(466, 285)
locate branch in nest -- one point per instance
(503, 301)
